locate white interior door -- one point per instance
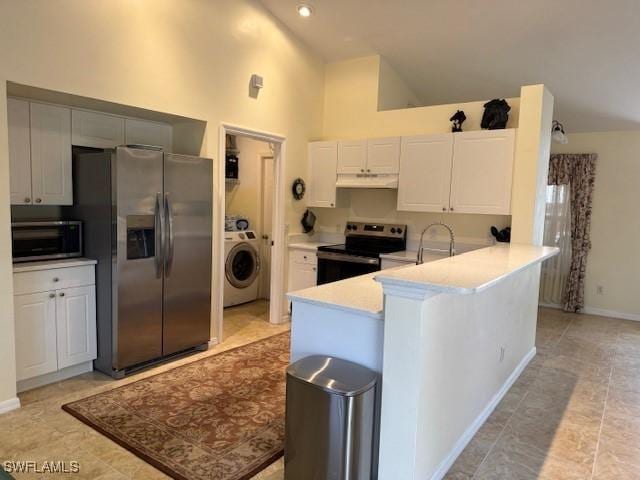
(35, 316)
(268, 174)
(19, 151)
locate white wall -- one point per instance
(445, 374)
(531, 167)
(186, 57)
(245, 197)
(393, 92)
(615, 223)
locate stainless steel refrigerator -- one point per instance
(147, 220)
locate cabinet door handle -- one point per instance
(56, 279)
(27, 200)
(38, 200)
(332, 204)
(61, 294)
(368, 169)
(451, 209)
(362, 170)
(314, 269)
(444, 209)
(52, 295)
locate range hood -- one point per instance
(366, 180)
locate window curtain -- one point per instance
(578, 171)
(557, 233)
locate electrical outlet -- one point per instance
(502, 350)
(600, 290)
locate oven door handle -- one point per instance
(339, 257)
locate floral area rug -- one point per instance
(219, 418)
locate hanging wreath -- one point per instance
(298, 188)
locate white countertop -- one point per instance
(362, 295)
(309, 245)
(468, 273)
(49, 264)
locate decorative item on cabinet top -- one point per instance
(496, 114)
(457, 120)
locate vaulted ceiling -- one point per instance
(449, 51)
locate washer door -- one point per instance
(242, 266)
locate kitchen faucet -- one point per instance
(452, 242)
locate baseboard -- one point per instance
(65, 373)
(556, 306)
(8, 405)
(600, 312)
(466, 437)
(612, 313)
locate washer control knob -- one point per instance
(393, 230)
(399, 230)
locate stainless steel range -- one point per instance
(360, 254)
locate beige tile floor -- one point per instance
(573, 414)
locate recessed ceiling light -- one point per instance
(304, 10)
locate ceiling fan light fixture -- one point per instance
(305, 10)
(557, 133)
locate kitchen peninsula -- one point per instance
(449, 338)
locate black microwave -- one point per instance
(46, 240)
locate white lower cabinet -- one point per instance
(303, 269)
(76, 325)
(36, 349)
(55, 329)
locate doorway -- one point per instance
(250, 232)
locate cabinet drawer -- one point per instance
(304, 257)
(53, 279)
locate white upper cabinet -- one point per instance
(383, 155)
(425, 173)
(97, 130)
(323, 162)
(352, 156)
(372, 156)
(19, 151)
(143, 132)
(51, 155)
(483, 171)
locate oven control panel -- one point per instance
(375, 229)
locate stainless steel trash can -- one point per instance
(331, 410)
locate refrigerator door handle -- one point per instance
(169, 235)
(159, 237)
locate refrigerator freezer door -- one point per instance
(138, 282)
(187, 282)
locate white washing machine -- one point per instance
(241, 267)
